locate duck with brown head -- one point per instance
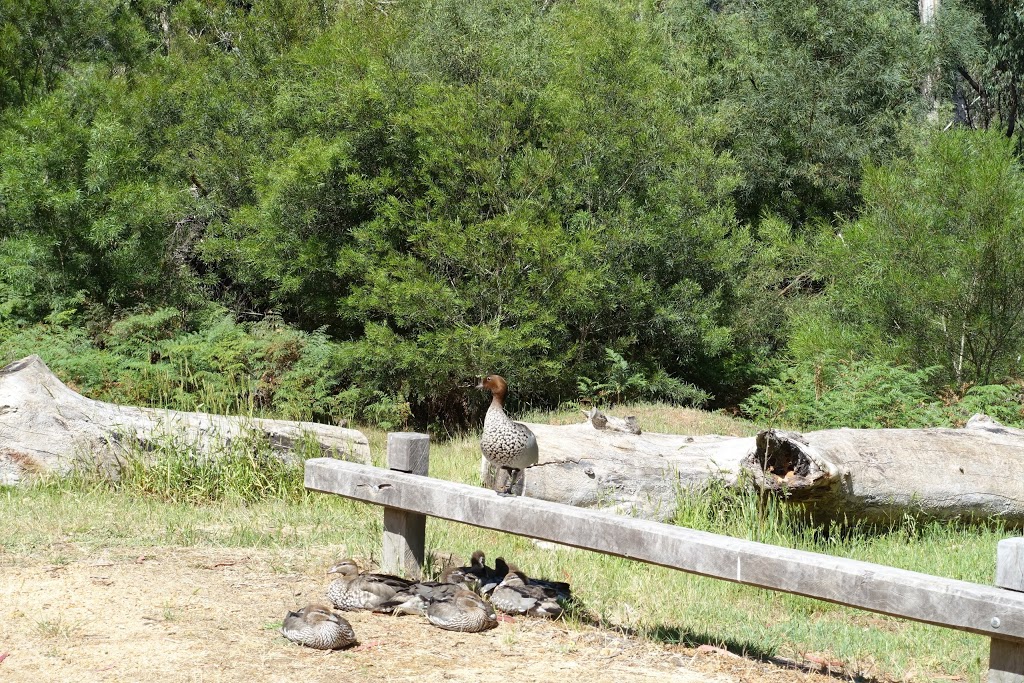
(354, 589)
(464, 611)
(517, 594)
(506, 444)
(477, 576)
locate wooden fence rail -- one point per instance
(994, 611)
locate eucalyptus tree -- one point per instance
(980, 47)
(931, 274)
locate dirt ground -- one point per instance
(206, 615)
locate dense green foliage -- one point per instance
(348, 210)
(223, 366)
(830, 392)
(932, 272)
(821, 88)
(981, 53)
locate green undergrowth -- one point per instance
(828, 392)
(173, 499)
(244, 469)
(241, 474)
(197, 361)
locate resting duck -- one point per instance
(318, 627)
(516, 594)
(506, 444)
(355, 590)
(465, 611)
(561, 590)
(477, 577)
(418, 597)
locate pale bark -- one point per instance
(47, 427)
(927, 9)
(873, 475)
(878, 475)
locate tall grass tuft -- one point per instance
(743, 512)
(242, 470)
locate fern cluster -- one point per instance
(833, 392)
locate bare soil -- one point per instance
(205, 615)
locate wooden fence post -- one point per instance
(405, 532)
(1006, 659)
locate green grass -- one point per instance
(179, 505)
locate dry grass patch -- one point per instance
(201, 614)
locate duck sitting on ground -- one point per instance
(465, 611)
(418, 597)
(561, 590)
(506, 444)
(477, 577)
(516, 594)
(356, 590)
(318, 627)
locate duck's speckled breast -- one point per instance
(507, 443)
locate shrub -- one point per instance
(932, 272)
(832, 392)
(842, 393)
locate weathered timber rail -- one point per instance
(994, 611)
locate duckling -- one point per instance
(476, 569)
(506, 444)
(516, 595)
(465, 611)
(477, 577)
(318, 627)
(356, 590)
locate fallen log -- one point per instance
(589, 465)
(844, 474)
(871, 475)
(878, 475)
(47, 427)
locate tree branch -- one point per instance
(967, 77)
(1013, 108)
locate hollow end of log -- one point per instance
(781, 462)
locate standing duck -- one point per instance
(506, 444)
(318, 627)
(356, 590)
(465, 611)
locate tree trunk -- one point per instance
(635, 474)
(927, 9)
(47, 427)
(878, 475)
(873, 475)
